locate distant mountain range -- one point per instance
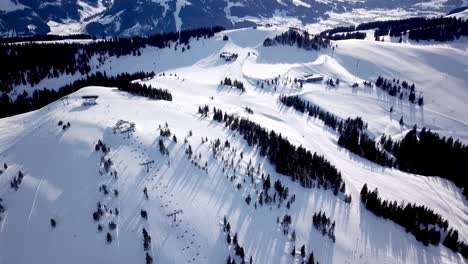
(141, 17)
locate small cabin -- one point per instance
(89, 99)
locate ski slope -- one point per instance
(62, 168)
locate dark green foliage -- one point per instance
(296, 162)
(417, 28)
(324, 224)
(40, 98)
(354, 138)
(311, 259)
(395, 87)
(162, 148)
(149, 259)
(112, 225)
(419, 220)
(303, 251)
(352, 35)
(424, 153)
(109, 238)
(32, 62)
(146, 240)
(144, 214)
(237, 84)
(313, 110)
(299, 39)
(427, 153)
(44, 38)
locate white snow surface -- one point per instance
(61, 167)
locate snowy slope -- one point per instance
(62, 168)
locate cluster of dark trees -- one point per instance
(145, 91)
(100, 146)
(63, 125)
(162, 148)
(285, 223)
(340, 29)
(165, 132)
(303, 106)
(2, 208)
(300, 40)
(324, 224)
(424, 153)
(417, 28)
(29, 63)
(238, 249)
(237, 84)
(310, 260)
(427, 226)
(394, 88)
(17, 180)
(332, 83)
(203, 110)
(427, 153)
(296, 162)
(98, 213)
(354, 138)
(25, 102)
(352, 131)
(351, 35)
(44, 38)
(146, 238)
(218, 114)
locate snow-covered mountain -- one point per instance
(108, 17)
(64, 177)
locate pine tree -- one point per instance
(149, 259)
(109, 238)
(311, 259)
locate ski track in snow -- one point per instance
(33, 205)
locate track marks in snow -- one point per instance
(33, 205)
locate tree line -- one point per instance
(417, 28)
(296, 162)
(44, 38)
(427, 153)
(236, 84)
(29, 63)
(426, 226)
(25, 102)
(424, 153)
(324, 224)
(302, 41)
(352, 135)
(350, 35)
